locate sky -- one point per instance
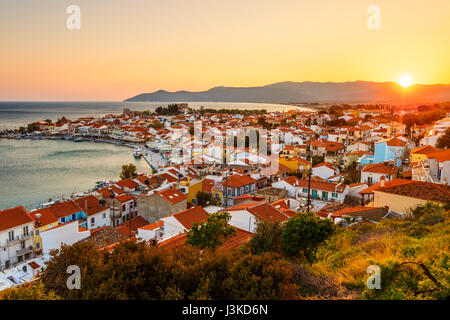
(127, 47)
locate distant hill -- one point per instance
(339, 92)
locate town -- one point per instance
(345, 163)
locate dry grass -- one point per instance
(346, 256)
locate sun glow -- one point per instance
(405, 80)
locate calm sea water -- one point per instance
(32, 171)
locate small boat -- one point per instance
(137, 153)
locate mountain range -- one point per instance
(309, 92)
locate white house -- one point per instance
(324, 170)
(372, 173)
(16, 236)
(181, 221)
(291, 184)
(68, 233)
(246, 216)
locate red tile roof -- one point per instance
(14, 217)
(135, 223)
(130, 184)
(393, 182)
(424, 150)
(379, 168)
(394, 142)
(124, 198)
(421, 190)
(90, 205)
(265, 211)
(440, 156)
(237, 180)
(189, 216)
(325, 164)
(171, 195)
(46, 218)
(64, 209)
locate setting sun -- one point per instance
(405, 81)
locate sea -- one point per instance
(33, 172)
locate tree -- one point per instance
(317, 160)
(204, 198)
(212, 233)
(128, 171)
(443, 141)
(267, 237)
(265, 276)
(303, 233)
(31, 291)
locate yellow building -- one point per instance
(192, 187)
(295, 164)
(44, 219)
(421, 153)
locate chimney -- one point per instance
(382, 182)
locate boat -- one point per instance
(137, 152)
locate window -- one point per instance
(124, 207)
(37, 232)
(22, 244)
(92, 220)
(11, 235)
(305, 190)
(334, 195)
(38, 245)
(104, 215)
(25, 230)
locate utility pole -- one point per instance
(309, 187)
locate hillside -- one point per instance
(344, 92)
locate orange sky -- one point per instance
(128, 47)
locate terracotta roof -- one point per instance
(143, 179)
(173, 242)
(333, 146)
(320, 185)
(189, 216)
(393, 182)
(265, 211)
(64, 209)
(237, 180)
(207, 185)
(171, 195)
(14, 217)
(124, 198)
(46, 218)
(90, 204)
(424, 150)
(130, 184)
(394, 142)
(239, 239)
(379, 168)
(153, 226)
(293, 181)
(325, 164)
(135, 223)
(421, 190)
(440, 156)
(369, 213)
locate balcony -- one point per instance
(24, 250)
(18, 238)
(115, 214)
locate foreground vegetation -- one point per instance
(306, 258)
